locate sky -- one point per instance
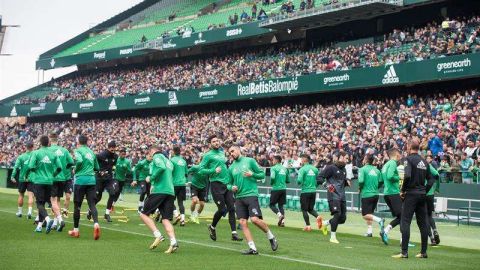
(45, 24)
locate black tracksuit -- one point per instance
(415, 190)
(106, 160)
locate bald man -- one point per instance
(413, 192)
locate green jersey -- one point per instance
(391, 178)
(46, 166)
(369, 178)
(279, 177)
(161, 177)
(198, 180)
(143, 169)
(21, 165)
(307, 178)
(86, 164)
(179, 171)
(210, 161)
(436, 187)
(247, 186)
(123, 166)
(65, 159)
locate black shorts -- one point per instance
(307, 201)
(25, 186)
(163, 202)
(145, 187)
(430, 204)
(201, 193)
(42, 192)
(58, 188)
(278, 196)
(68, 186)
(248, 207)
(394, 202)
(110, 185)
(222, 197)
(369, 205)
(180, 192)
(337, 206)
(81, 191)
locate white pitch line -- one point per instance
(219, 247)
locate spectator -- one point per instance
(435, 144)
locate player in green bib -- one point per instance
(198, 191)
(123, 167)
(140, 172)
(213, 166)
(24, 185)
(58, 186)
(391, 191)
(243, 176)
(279, 177)
(432, 228)
(46, 166)
(180, 172)
(369, 180)
(162, 197)
(307, 180)
(86, 164)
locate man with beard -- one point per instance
(335, 180)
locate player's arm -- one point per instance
(69, 160)
(323, 175)
(230, 184)
(361, 179)
(257, 173)
(287, 177)
(391, 174)
(300, 177)
(432, 176)
(16, 168)
(78, 160)
(204, 166)
(32, 164)
(408, 176)
(160, 164)
(58, 165)
(96, 165)
(272, 176)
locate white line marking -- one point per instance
(219, 247)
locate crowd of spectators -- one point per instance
(284, 60)
(447, 123)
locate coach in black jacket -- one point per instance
(417, 182)
(107, 159)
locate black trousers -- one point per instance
(414, 204)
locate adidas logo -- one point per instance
(46, 160)
(282, 172)
(372, 173)
(421, 165)
(113, 105)
(13, 112)
(60, 108)
(89, 156)
(310, 173)
(391, 76)
(59, 153)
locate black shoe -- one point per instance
(182, 223)
(433, 243)
(436, 236)
(213, 233)
(107, 218)
(177, 219)
(61, 226)
(235, 237)
(368, 235)
(29, 216)
(89, 215)
(274, 244)
(421, 255)
(250, 252)
(280, 221)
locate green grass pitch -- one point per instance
(125, 245)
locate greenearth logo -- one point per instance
(454, 66)
(336, 80)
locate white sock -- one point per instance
(194, 213)
(326, 223)
(279, 214)
(107, 211)
(175, 213)
(182, 217)
(270, 235)
(75, 229)
(234, 232)
(140, 204)
(39, 225)
(47, 219)
(369, 229)
(60, 219)
(157, 234)
(30, 210)
(214, 228)
(388, 228)
(173, 241)
(37, 218)
(333, 235)
(376, 219)
(251, 245)
(96, 225)
(20, 209)
(55, 222)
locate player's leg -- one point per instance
(180, 201)
(255, 214)
(432, 227)
(42, 194)
(112, 188)
(421, 216)
(368, 209)
(22, 187)
(68, 196)
(143, 193)
(166, 210)
(408, 210)
(241, 210)
(304, 208)
(311, 209)
(335, 211)
(30, 200)
(78, 195)
(281, 203)
(218, 191)
(151, 205)
(274, 197)
(230, 203)
(57, 193)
